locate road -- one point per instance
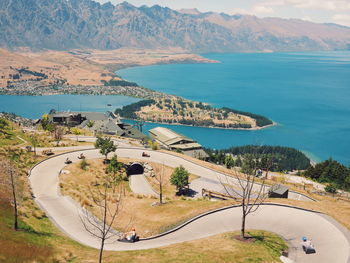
(332, 241)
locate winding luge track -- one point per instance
(332, 240)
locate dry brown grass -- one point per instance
(137, 210)
(88, 67)
(26, 244)
(41, 241)
(164, 172)
(218, 248)
(151, 220)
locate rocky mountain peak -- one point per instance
(69, 24)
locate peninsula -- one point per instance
(92, 72)
(176, 110)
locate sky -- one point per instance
(320, 11)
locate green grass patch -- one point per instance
(25, 245)
(219, 248)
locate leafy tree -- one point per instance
(105, 145)
(331, 188)
(153, 145)
(76, 131)
(4, 125)
(179, 150)
(179, 178)
(50, 127)
(90, 124)
(330, 171)
(229, 162)
(260, 120)
(249, 164)
(34, 141)
(283, 158)
(129, 111)
(114, 167)
(45, 121)
(238, 161)
(117, 82)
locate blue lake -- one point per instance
(35, 106)
(307, 94)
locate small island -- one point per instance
(177, 110)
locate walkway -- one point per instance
(140, 185)
(332, 241)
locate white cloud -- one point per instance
(307, 18)
(262, 9)
(255, 10)
(342, 19)
(240, 11)
(331, 5)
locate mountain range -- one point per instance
(71, 24)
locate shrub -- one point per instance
(84, 164)
(179, 178)
(331, 188)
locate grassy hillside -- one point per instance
(25, 245)
(39, 240)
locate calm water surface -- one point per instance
(307, 94)
(35, 106)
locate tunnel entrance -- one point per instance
(135, 168)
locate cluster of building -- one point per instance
(109, 123)
(97, 122)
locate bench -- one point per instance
(214, 194)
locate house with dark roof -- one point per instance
(76, 118)
(98, 122)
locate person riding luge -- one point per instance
(129, 237)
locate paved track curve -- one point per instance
(332, 241)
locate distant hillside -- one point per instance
(68, 24)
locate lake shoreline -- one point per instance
(210, 127)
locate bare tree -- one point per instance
(58, 134)
(160, 180)
(10, 178)
(107, 197)
(246, 188)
